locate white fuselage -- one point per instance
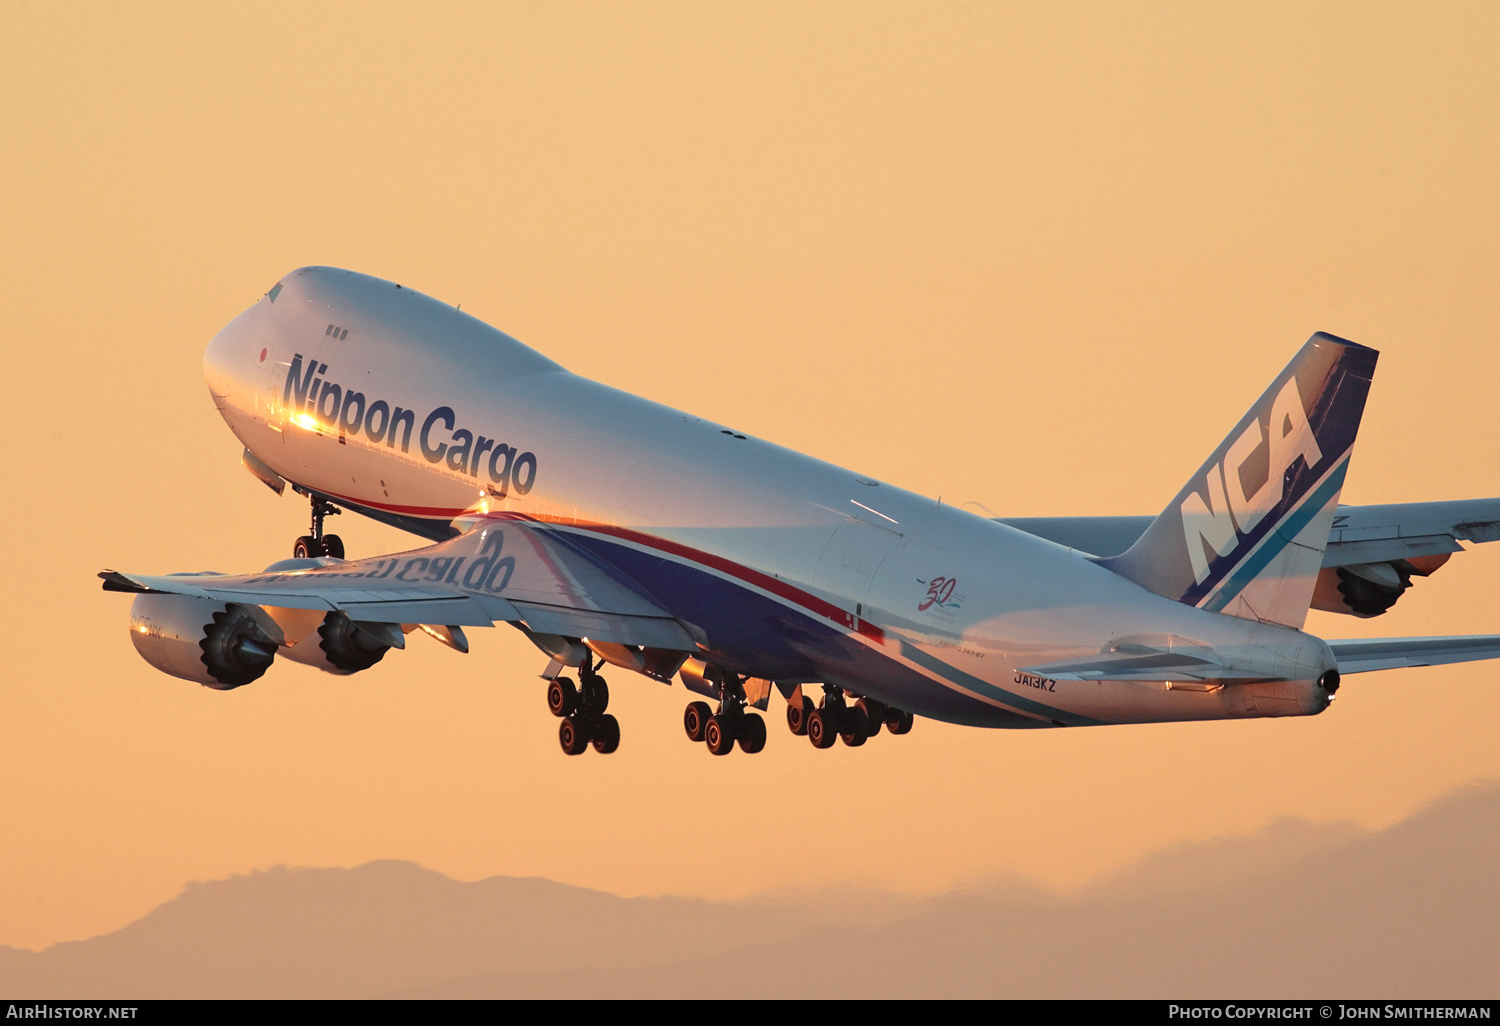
(795, 569)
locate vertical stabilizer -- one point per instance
(1246, 535)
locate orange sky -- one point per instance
(1037, 256)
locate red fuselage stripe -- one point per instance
(774, 585)
(765, 582)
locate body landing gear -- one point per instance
(835, 720)
(732, 724)
(311, 546)
(584, 721)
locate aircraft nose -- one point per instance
(234, 355)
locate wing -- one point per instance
(1097, 536)
(1409, 530)
(498, 570)
(1361, 534)
(1361, 655)
(1373, 552)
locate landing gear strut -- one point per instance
(719, 731)
(311, 546)
(584, 720)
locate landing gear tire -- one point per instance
(308, 547)
(562, 697)
(572, 736)
(820, 730)
(752, 734)
(606, 734)
(899, 722)
(311, 546)
(718, 735)
(594, 696)
(855, 728)
(695, 718)
(796, 716)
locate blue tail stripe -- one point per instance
(1279, 538)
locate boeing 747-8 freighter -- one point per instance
(612, 530)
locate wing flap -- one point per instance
(617, 628)
(1386, 550)
(454, 611)
(1392, 531)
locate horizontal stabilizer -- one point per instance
(1361, 655)
(1191, 666)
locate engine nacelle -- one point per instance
(343, 646)
(1369, 589)
(221, 646)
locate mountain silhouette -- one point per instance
(1297, 910)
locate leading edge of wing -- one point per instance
(1363, 655)
(499, 570)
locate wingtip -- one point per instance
(116, 581)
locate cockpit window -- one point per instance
(275, 291)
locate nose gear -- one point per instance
(311, 546)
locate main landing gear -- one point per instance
(833, 719)
(719, 731)
(584, 720)
(311, 546)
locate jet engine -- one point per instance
(341, 645)
(219, 645)
(1369, 589)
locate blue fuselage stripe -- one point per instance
(746, 610)
(981, 687)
